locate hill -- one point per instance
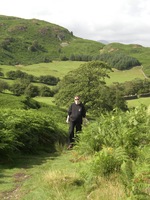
(33, 41)
(134, 50)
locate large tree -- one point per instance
(88, 81)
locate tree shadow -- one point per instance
(23, 162)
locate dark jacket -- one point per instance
(76, 112)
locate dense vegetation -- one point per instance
(88, 81)
(134, 50)
(119, 145)
(115, 141)
(28, 126)
(119, 61)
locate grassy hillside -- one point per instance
(125, 75)
(134, 50)
(31, 41)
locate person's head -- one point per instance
(77, 99)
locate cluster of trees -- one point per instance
(23, 84)
(81, 57)
(49, 80)
(136, 87)
(24, 87)
(119, 61)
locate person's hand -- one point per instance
(67, 120)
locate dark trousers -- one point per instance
(74, 125)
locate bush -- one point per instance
(27, 131)
(129, 130)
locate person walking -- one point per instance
(76, 113)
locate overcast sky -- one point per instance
(124, 21)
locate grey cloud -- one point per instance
(125, 33)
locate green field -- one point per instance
(60, 69)
(55, 68)
(138, 102)
(125, 75)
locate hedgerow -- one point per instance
(27, 131)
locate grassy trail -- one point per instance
(43, 177)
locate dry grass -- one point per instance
(102, 190)
(107, 190)
(62, 184)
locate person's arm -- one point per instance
(69, 113)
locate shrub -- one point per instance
(27, 131)
(126, 129)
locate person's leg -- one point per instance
(78, 130)
(71, 133)
(78, 127)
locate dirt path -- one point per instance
(64, 164)
(18, 180)
(143, 72)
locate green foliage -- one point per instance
(135, 175)
(45, 91)
(31, 90)
(11, 101)
(126, 129)
(88, 81)
(30, 103)
(119, 60)
(15, 102)
(108, 161)
(19, 86)
(27, 131)
(136, 86)
(134, 50)
(36, 41)
(19, 74)
(79, 49)
(49, 80)
(22, 84)
(119, 142)
(3, 85)
(87, 76)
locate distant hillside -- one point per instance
(103, 41)
(134, 50)
(24, 42)
(31, 41)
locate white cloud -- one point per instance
(125, 21)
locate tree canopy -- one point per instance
(88, 81)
